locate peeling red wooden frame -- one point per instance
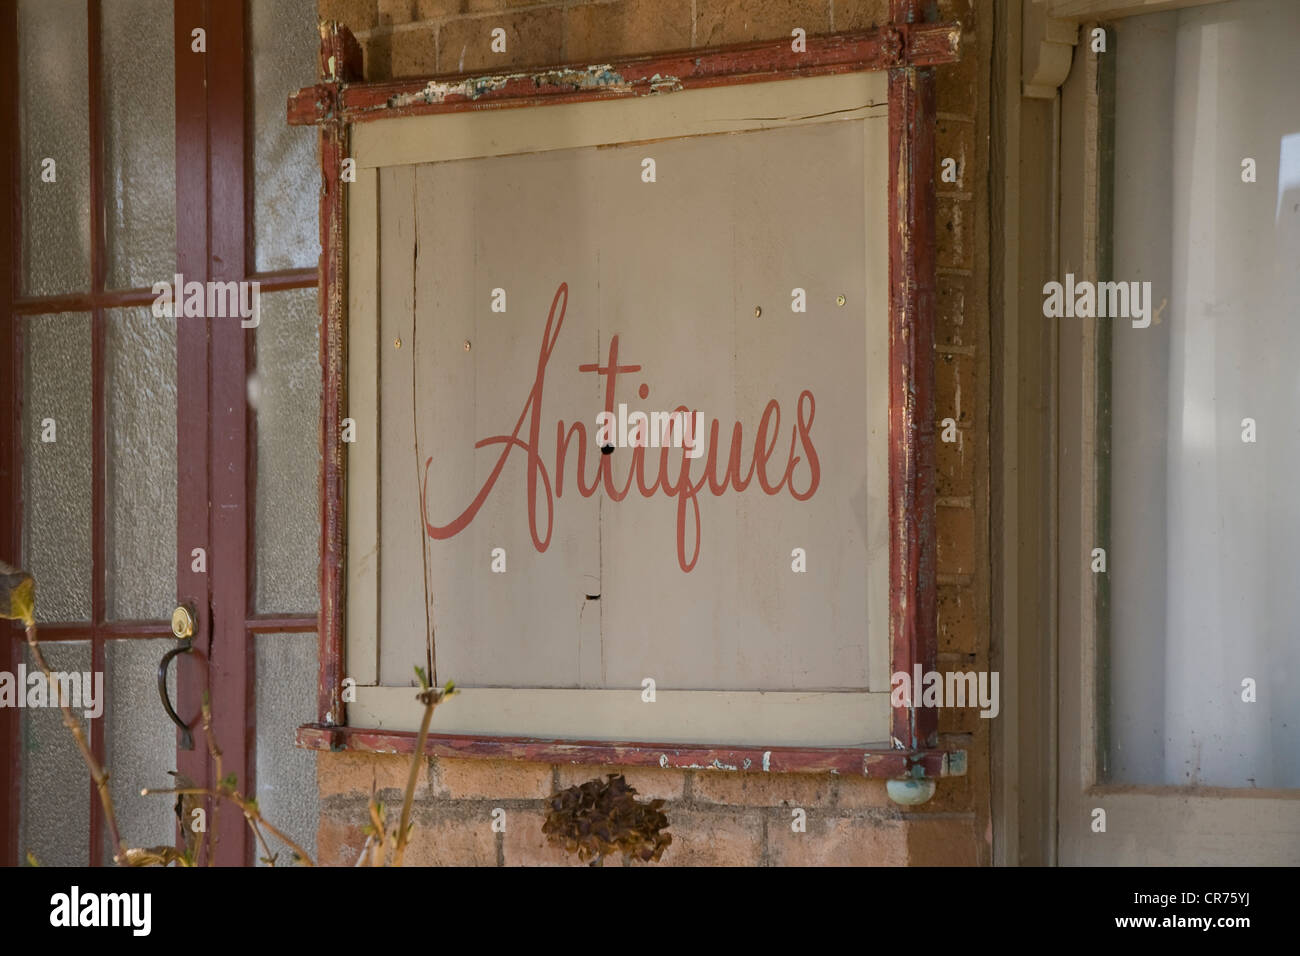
(852, 761)
(907, 48)
(907, 44)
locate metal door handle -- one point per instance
(183, 629)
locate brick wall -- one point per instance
(719, 817)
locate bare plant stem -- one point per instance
(261, 841)
(97, 773)
(379, 835)
(404, 826)
(251, 814)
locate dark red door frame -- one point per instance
(907, 48)
(214, 435)
(214, 225)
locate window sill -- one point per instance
(877, 762)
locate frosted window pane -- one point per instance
(139, 141)
(286, 171)
(1205, 527)
(140, 403)
(56, 474)
(286, 776)
(140, 741)
(54, 823)
(53, 96)
(286, 394)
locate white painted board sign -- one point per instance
(622, 417)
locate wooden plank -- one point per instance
(870, 762)
(779, 104)
(192, 395)
(921, 44)
(1086, 10)
(401, 564)
(340, 60)
(230, 665)
(913, 586)
(683, 716)
(365, 342)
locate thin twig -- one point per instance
(251, 813)
(404, 826)
(97, 773)
(379, 829)
(365, 848)
(257, 832)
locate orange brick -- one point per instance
(762, 789)
(733, 838)
(650, 783)
(354, 14)
(957, 794)
(526, 844)
(338, 842)
(436, 9)
(478, 6)
(719, 22)
(353, 773)
(951, 795)
(963, 11)
(958, 632)
(397, 11)
(533, 38)
(954, 139)
(941, 841)
(860, 14)
(955, 464)
(600, 31)
(414, 52)
(862, 792)
(955, 387)
(957, 720)
(955, 84)
(450, 835)
(467, 777)
(832, 840)
(952, 326)
(954, 221)
(377, 57)
(955, 534)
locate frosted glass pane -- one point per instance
(1204, 526)
(54, 822)
(139, 142)
(140, 741)
(56, 471)
(140, 416)
(286, 776)
(285, 167)
(286, 394)
(53, 93)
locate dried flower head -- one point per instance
(598, 818)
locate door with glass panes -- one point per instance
(159, 471)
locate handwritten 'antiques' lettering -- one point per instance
(683, 487)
